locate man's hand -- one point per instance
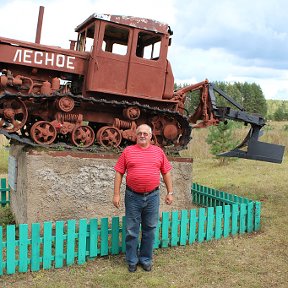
(117, 185)
(116, 201)
(169, 199)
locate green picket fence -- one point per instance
(205, 196)
(4, 192)
(63, 243)
(245, 215)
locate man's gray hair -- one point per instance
(150, 129)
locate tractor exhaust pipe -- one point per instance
(39, 25)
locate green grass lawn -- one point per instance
(4, 153)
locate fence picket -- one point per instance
(201, 224)
(93, 250)
(221, 195)
(217, 197)
(236, 199)
(250, 207)
(104, 237)
(23, 248)
(227, 219)
(3, 190)
(192, 226)
(242, 218)
(204, 196)
(165, 229)
(193, 193)
(183, 227)
(11, 249)
(82, 241)
(115, 236)
(35, 250)
(210, 223)
(211, 200)
(235, 213)
(218, 222)
(214, 201)
(257, 213)
(208, 198)
(59, 244)
(174, 228)
(71, 229)
(47, 245)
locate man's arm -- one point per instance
(169, 186)
(117, 184)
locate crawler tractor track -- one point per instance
(24, 137)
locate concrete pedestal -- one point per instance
(54, 185)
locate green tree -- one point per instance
(259, 100)
(253, 98)
(232, 91)
(220, 139)
(281, 112)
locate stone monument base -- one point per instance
(57, 185)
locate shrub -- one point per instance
(6, 216)
(220, 139)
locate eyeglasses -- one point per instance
(145, 134)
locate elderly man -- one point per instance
(143, 163)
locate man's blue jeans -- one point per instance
(142, 210)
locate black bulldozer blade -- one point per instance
(253, 149)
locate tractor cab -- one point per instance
(128, 56)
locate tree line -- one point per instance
(277, 110)
(249, 95)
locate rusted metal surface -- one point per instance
(34, 101)
(36, 56)
(13, 111)
(141, 23)
(39, 25)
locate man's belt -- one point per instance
(141, 193)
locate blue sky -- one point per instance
(223, 40)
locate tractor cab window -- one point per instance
(86, 39)
(148, 46)
(115, 40)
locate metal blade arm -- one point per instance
(208, 113)
(212, 87)
(228, 113)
